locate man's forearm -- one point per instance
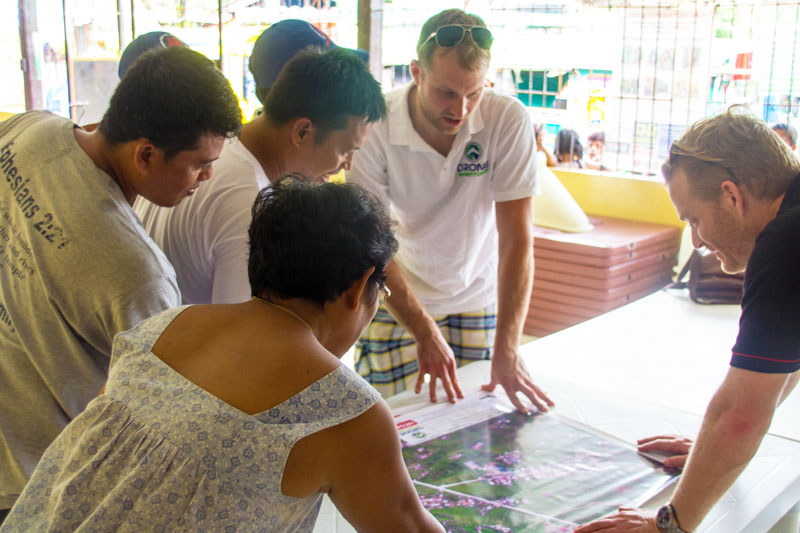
(729, 437)
(515, 279)
(404, 305)
(514, 272)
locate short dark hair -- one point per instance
(172, 97)
(568, 144)
(326, 87)
(313, 241)
(597, 136)
(261, 93)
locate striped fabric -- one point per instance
(386, 355)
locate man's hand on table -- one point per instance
(627, 519)
(435, 357)
(674, 444)
(509, 371)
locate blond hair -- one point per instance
(735, 146)
(470, 56)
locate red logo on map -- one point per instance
(405, 424)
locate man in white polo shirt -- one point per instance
(456, 164)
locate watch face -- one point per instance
(663, 518)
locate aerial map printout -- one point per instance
(481, 466)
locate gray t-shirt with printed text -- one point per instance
(76, 268)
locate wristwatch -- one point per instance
(667, 521)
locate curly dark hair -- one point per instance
(171, 97)
(313, 241)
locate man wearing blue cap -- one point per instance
(303, 130)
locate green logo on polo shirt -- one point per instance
(472, 153)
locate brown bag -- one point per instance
(708, 284)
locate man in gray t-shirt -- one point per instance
(76, 267)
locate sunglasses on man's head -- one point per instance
(452, 34)
(673, 159)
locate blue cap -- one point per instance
(143, 43)
(280, 42)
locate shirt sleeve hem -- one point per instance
(507, 196)
(767, 365)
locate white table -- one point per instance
(648, 368)
(664, 348)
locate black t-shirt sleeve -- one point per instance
(769, 328)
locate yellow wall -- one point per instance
(631, 198)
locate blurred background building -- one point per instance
(639, 71)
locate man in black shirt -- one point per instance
(738, 186)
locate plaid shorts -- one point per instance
(386, 355)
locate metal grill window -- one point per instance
(633, 74)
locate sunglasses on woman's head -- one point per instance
(451, 35)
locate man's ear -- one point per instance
(302, 131)
(357, 288)
(416, 71)
(733, 196)
(143, 154)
